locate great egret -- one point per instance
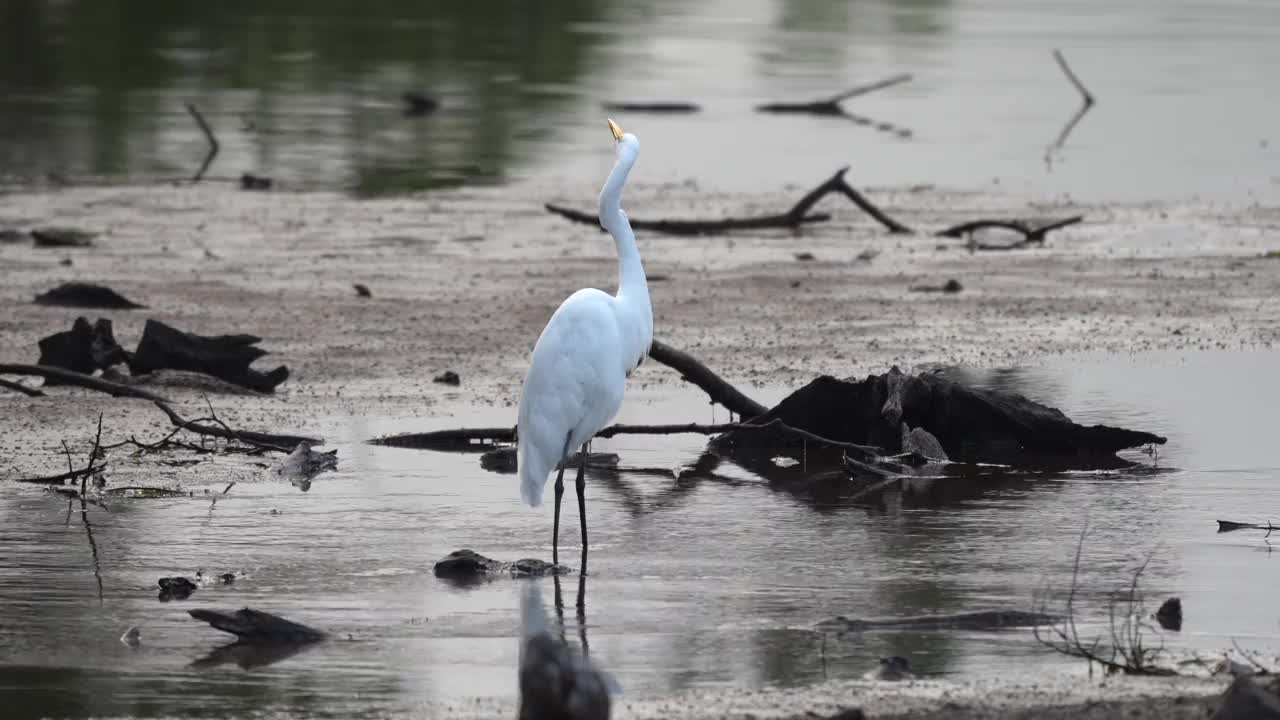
(583, 358)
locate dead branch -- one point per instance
(795, 217)
(1229, 526)
(1030, 233)
(266, 441)
(70, 377)
(717, 388)
(1086, 103)
(208, 135)
(19, 387)
(831, 105)
(63, 477)
(1127, 652)
(667, 108)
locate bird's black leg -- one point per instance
(555, 528)
(582, 504)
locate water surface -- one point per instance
(711, 580)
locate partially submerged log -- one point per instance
(664, 108)
(223, 356)
(86, 295)
(1032, 230)
(468, 566)
(1229, 526)
(972, 425)
(62, 237)
(797, 216)
(256, 626)
(980, 620)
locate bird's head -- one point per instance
(628, 144)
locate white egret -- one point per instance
(583, 358)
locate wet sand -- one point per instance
(464, 281)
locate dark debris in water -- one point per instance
(86, 295)
(467, 566)
(175, 588)
(448, 377)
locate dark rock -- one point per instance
(9, 237)
(448, 377)
(950, 286)
(804, 256)
(418, 105)
(249, 181)
(227, 578)
(65, 262)
(1170, 614)
(849, 714)
(471, 566)
(971, 425)
(175, 588)
(892, 668)
(260, 627)
(86, 295)
(362, 290)
(84, 348)
(62, 237)
(226, 357)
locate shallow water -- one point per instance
(309, 93)
(709, 581)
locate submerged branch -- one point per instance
(1086, 103)
(19, 387)
(831, 105)
(208, 135)
(70, 377)
(266, 441)
(1030, 233)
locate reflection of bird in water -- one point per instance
(556, 683)
(894, 667)
(581, 361)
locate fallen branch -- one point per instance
(792, 219)
(208, 135)
(692, 370)
(266, 441)
(19, 387)
(1030, 233)
(1086, 103)
(1228, 526)
(831, 105)
(70, 377)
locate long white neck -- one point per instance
(631, 279)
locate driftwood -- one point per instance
(84, 348)
(1031, 232)
(1229, 526)
(792, 219)
(210, 137)
(972, 425)
(1086, 102)
(667, 108)
(692, 370)
(70, 377)
(86, 295)
(831, 105)
(226, 357)
(258, 627)
(267, 441)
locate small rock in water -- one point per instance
(8, 236)
(132, 637)
(1170, 614)
(469, 565)
(362, 290)
(804, 256)
(448, 377)
(227, 578)
(249, 181)
(891, 668)
(175, 588)
(416, 104)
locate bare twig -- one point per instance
(70, 377)
(831, 105)
(208, 135)
(19, 387)
(1086, 103)
(795, 217)
(1031, 233)
(266, 441)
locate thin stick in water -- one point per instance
(208, 135)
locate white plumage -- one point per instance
(584, 355)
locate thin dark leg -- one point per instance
(559, 605)
(582, 504)
(555, 531)
(582, 614)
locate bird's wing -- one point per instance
(574, 385)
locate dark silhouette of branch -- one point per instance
(667, 108)
(208, 135)
(795, 217)
(1030, 233)
(19, 387)
(1086, 103)
(70, 377)
(831, 105)
(713, 385)
(265, 441)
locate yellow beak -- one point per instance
(617, 131)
